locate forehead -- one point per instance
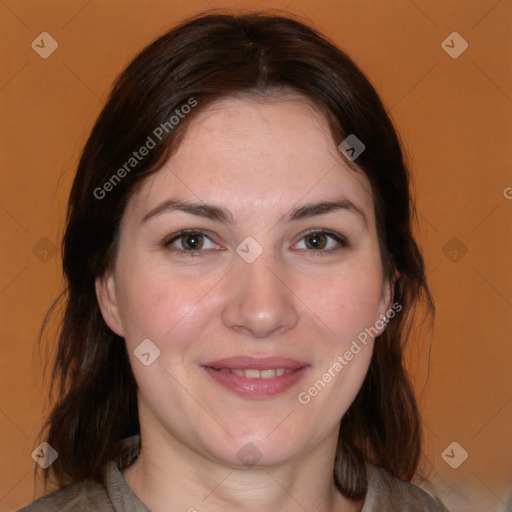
(264, 152)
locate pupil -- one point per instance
(192, 241)
(316, 240)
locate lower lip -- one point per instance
(257, 388)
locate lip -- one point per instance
(256, 363)
(256, 388)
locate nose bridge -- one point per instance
(259, 303)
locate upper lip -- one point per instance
(256, 363)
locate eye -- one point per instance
(321, 240)
(190, 241)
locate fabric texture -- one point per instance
(386, 493)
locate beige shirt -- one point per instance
(386, 493)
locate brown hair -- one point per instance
(207, 58)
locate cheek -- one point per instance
(162, 306)
(346, 302)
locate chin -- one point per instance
(254, 450)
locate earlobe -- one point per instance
(390, 291)
(107, 301)
(387, 299)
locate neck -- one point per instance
(167, 471)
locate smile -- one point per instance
(252, 377)
(257, 374)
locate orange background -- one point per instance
(454, 116)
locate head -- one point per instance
(241, 119)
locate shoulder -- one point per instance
(386, 492)
(114, 496)
(81, 496)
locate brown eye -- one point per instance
(316, 241)
(193, 241)
(321, 242)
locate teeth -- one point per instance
(261, 374)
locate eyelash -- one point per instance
(167, 243)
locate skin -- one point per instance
(259, 159)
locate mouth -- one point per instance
(249, 373)
(252, 377)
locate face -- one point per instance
(251, 263)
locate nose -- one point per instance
(261, 302)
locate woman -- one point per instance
(241, 277)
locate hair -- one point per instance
(208, 58)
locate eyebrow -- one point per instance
(213, 212)
(208, 211)
(323, 207)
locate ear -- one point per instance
(107, 301)
(388, 293)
